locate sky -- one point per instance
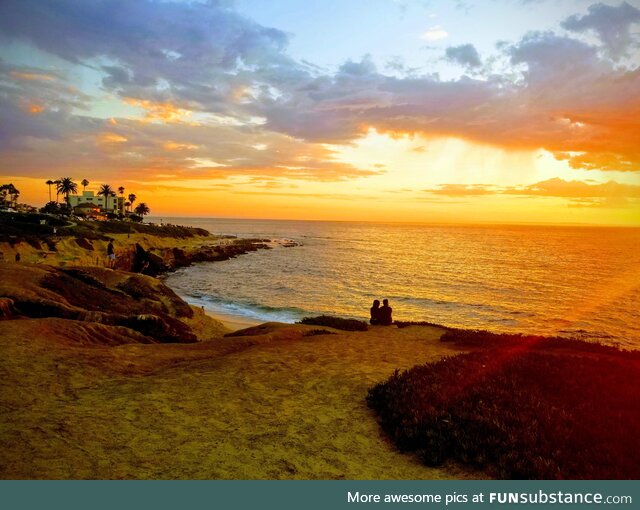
(518, 111)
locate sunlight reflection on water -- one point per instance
(547, 280)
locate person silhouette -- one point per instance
(384, 313)
(374, 313)
(111, 254)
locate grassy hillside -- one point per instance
(271, 403)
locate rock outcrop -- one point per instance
(156, 261)
(111, 298)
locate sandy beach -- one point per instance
(233, 322)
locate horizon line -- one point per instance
(400, 222)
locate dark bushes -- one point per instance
(126, 227)
(479, 339)
(335, 322)
(405, 324)
(318, 332)
(520, 412)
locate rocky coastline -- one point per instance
(154, 262)
(63, 275)
(140, 248)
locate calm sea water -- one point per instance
(568, 281)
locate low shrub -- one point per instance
(317, 332)
(336, 323)
(479, 339)
(128, 227)
(405, 324)
(520, 412)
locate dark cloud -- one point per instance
(611, 23)
(465, 55)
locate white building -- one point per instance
(112, 204)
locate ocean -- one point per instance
(579, 282)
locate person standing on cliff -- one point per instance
(384, 313)
(111, 254)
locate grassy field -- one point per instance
(275, 404)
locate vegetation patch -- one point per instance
(405, 324)
(336, 323)
(520, 412)
(17, 227)
(127, 227)
(317, 332)
(479, 339)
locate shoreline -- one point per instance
(232, 322)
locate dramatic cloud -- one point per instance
(196, 53)
(612, 24)
(569, 101)
(465, 55)
(209, 85)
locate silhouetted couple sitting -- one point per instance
(381, 315)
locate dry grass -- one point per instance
(274, 405)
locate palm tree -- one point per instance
(106, 191)
(84, 183)
(57, 183)
(14, 193)
(67, 187)
(49, 183)
(121, 191)
(132, 199)
(142, 209)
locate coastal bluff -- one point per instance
(94, 389)
(145, 248)
(127, 306)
